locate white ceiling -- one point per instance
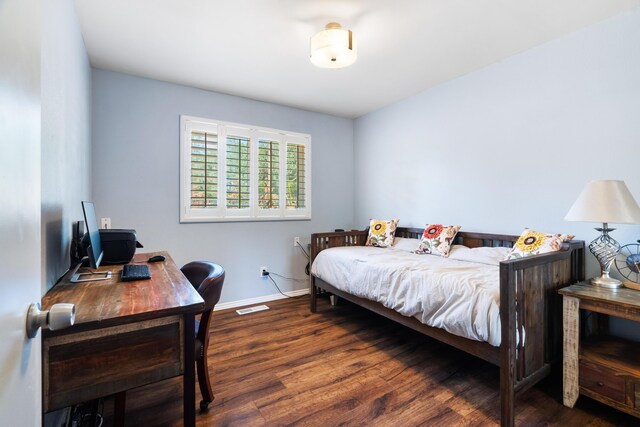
(259, 48)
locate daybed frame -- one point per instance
(528, 299)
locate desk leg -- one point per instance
(119, 408)
(571, 345)
(189, 377)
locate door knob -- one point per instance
(59, 316)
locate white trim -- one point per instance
(266, 298)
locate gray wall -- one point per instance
(513, 144)
(66, 134)
(136, 178)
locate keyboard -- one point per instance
(135, 272)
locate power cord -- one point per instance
(268, 274)
(308, 266)
(305, 252)
(275, 284)
(289, 278)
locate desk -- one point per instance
(602, 367)
(126, 334)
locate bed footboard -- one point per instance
(531, 308)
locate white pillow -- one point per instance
(481, 255)
(405, 244)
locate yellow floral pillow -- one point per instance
(381, 232)
(535, 243)
(437, 239)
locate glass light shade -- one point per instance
(605, 202)
(333, 47)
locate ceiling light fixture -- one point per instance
(333, 47)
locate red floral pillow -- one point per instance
(437, 239)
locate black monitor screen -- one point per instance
(94, 251)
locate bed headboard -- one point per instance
(320, 241)
(469, 239)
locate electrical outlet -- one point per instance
(105, 223)
(264, 271)
(296, 242)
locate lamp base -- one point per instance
(605, 281)
(605, 248)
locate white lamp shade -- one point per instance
(333, 47)
(605, 202)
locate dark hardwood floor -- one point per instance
(346, 366)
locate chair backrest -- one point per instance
(208, 278)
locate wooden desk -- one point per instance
(602, 367)
(126, 334)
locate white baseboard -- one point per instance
(258, 300)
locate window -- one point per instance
(238, 172)
(296, 176)
(204, 169)
(268, 174)
(234, 172)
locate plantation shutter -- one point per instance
(296, 176)
(238, 176)
(204, 169)
(268, 174)
(235, 172)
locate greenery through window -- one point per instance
(204, 169)
(268, 174)
(238, 172)
(295, 176)
(234, 172)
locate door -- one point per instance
(20, 277)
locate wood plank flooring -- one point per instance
(345, 366)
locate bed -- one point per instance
(517, 321)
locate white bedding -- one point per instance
(459, 296)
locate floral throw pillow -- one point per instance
(533, 242)
(437, 239)
(381, 232)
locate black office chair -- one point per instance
(208, 279)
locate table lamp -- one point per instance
(606, 202)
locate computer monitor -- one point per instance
(94, 250)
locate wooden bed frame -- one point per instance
(528, 294)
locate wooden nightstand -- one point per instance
(602, 367)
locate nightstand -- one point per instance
(602, 367)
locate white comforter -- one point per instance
(461, 297)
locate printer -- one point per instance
(118, 245)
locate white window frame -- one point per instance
(221, 213)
